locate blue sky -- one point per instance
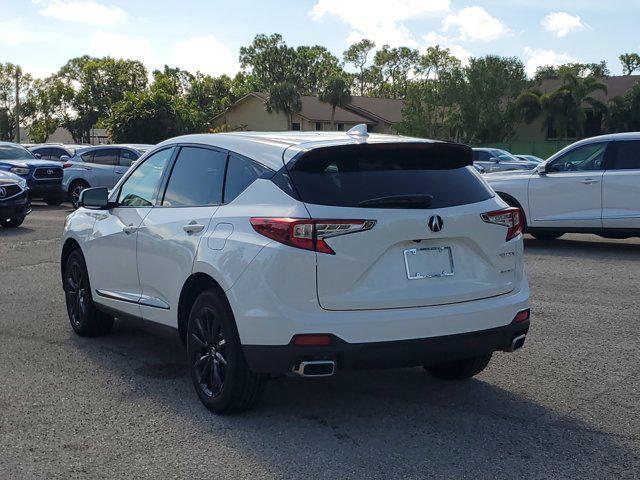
(205, 35)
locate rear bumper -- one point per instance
(282, 359)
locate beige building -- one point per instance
(249, 113)
(62, 135)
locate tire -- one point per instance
(54, 202)
(547, 236)
(220, 374)
(86, 320)
(14, 222)
(460, 369)
(75, 189)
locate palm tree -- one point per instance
(336, 93)
(564, 109)
(284, 97)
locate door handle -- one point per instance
(130, 229)
(193, 227)
(589, 181)
(87, 168)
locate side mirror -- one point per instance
(494, 160)
(94, 198)
(64, 158)
(37, 155)
(541, 168)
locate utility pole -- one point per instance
(17, 105)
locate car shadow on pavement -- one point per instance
(365, 424)
(605, 248)
(15, 232)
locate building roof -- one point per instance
(616, 86)
(387, 109)
(274, 148)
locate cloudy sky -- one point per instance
(205, 35)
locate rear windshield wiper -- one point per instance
(394, 201)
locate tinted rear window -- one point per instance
(389, 176)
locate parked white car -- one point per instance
(592, 186)
(299, 253)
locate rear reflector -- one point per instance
(308, 234)
(522, 316)
(509, 217)
(312, 340)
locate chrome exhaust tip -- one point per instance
(315, 368)
(517, 343)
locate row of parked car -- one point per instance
(55, 173)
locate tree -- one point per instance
(337, 94)
(98, 84)
(630, 63)
(150, 117)
(284, 97)
(564, 110)
(269, 60)
(45, 107)
(548, 72)
(358, 55)
(8, 97)
(435, 61)
(488, 92)
(624, 112)
(313, 66)
(395, 67)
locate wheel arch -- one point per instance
(197, 283)
(513, 202)
(70, 245)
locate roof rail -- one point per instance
(359, 131)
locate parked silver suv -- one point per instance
(99, 166)
(498, 160)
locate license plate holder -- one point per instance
(428, 262)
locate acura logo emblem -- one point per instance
(3, 192)
(435, 223)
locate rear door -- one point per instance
(570, 193)
(100, 164)
(621, 186)
(169, 237)
(429, 244)
(126, 158)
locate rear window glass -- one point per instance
(389, 176)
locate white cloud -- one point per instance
(539, 57)
(205, 54)
(121, 46)
(475, 23)
(562, 23)
(84, 11)
(16, 32)
(379, 20)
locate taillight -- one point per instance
(308, 234)
(67, 165)
(509, 217)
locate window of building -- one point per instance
(295, 126)
(318, 126)
(340, 127)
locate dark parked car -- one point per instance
(14, 200)
(44, 177)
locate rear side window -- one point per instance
(241, 172)
(57, 153)
(389, 176)
(624, 155)
(196, 179)
(104, 157)
(127, 157)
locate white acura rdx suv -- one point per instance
(302, 253)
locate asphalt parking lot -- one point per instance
(566, 406)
